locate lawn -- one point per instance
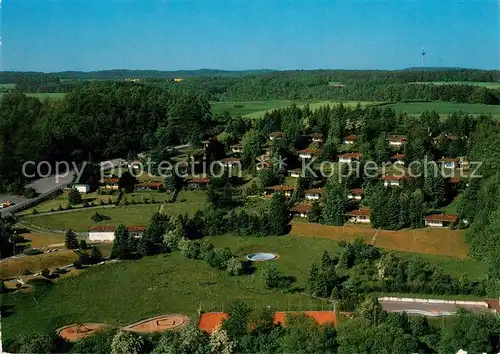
(246, 107)
(45, 95)
(445, 108)
(490, 85)
(440, 242)
(312, 106)
(128, 291)
(62, 201)
(139, 214)
(14, 267)
(256, 109)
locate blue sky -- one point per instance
(86, 35)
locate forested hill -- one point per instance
(405, 75)
(460, 85)
(122, 74)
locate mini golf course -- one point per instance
(76, 331)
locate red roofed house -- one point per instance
(195, 183)
(313, 193)
(316, 137)
(398, 159)
(350, 139)
(356, 193)
(359, 216)
(300, 210)
(308, 153)
(294, 173)
(349, 157)
(392, 181)
(440, 220)
(286, 190)
(106, 233)
(110, 183)
(396, 140)
(210, 321)
(448, 162)
(148, 186)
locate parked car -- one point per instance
(6, 204)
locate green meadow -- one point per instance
(490, 85)
(128, 291)
(445, 108)
(257, 109)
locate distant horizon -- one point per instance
(84, 35)
(250, 70)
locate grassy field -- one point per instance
(256, 109)
(62, 200)
(441, 242)
(445, 108)
(129, 291)
(139, 214)
(313, 106)
(122, 293)
(245, 107)
(45, 95)
(490, 85)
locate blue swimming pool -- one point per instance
(260, 257)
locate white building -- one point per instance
(307, 153)
(295, 173)
(440, 220)
(313, 193)
(106, 233)
(300, 210)
(82, 188)
(392, 181)
(359, 216)
(356, 194)
(396, 140)
(350, 139)
(349, 157)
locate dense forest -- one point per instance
(97, 121)
(216, 85)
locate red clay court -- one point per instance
(210, 321)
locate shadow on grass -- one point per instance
(248, 267)
(6, 310)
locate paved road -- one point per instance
(429, 309)
(51, 184)
(46, 186)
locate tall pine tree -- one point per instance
(278, 215)
(335, 203)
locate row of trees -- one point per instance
(344, 85)
(359, 268)
(480, 202)
(371, 330)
